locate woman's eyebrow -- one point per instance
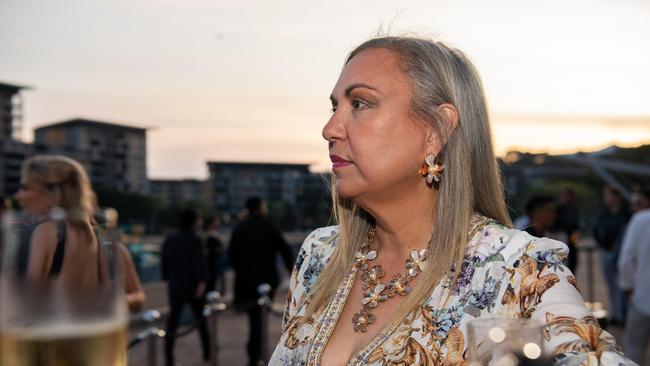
(349, 90)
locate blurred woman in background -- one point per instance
(133, 290)
(56, 190)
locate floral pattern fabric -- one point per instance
(505, 273)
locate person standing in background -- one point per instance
(634, 273)
(133, 290)
(213, 251)
(254, 245)
(639, 200)
(184, 270)
(608, 233)
(135, 295)
(568, 221)
(541, 211)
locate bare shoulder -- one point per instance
(45, 235)
(42, 247)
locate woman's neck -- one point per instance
(405, 225)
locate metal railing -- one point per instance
(214, 306)
(150, 335)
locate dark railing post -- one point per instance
(150, 317)
(211, 313)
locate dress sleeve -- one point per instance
(312, 258)
(295, 288)
(541, 287)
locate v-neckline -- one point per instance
(329, 321)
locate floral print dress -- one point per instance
(505, 273)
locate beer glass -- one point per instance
(46, 323)
(506, 342)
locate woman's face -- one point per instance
(32, 199)
(375, 145)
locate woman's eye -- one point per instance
(333, 109)
(359, 104)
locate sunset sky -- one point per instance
(250, 80)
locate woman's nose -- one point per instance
(334, 129)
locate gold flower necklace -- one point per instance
(376, 292)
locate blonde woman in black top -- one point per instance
(56, 190)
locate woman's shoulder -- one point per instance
(497, 259)
(313, 255)
(46, 232)
(320, 242)
(494, 239)
(323, 239)
(46, 226)
(324, 232)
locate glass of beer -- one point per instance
(506, 342)
(60, 320)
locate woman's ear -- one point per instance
(449, 112)
(432, 141)
(438, 139)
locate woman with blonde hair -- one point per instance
(57, 191)
(423, 243)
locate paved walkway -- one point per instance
(233, 329)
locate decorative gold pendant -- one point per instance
(361, 321)
(376, 292)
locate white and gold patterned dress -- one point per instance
(505, 273)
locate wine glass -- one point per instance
(506, 342)
(48, 322)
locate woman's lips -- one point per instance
(339, 162)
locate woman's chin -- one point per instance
(346, 191)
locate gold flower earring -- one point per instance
(432, 169)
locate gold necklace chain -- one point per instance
(376, 292)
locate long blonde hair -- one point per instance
(65, 184)
(471, 181)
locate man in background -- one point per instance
(568, 222)
(213, 250)
(608, 232)
(184, 270)
(541, 211)
(254, 246)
